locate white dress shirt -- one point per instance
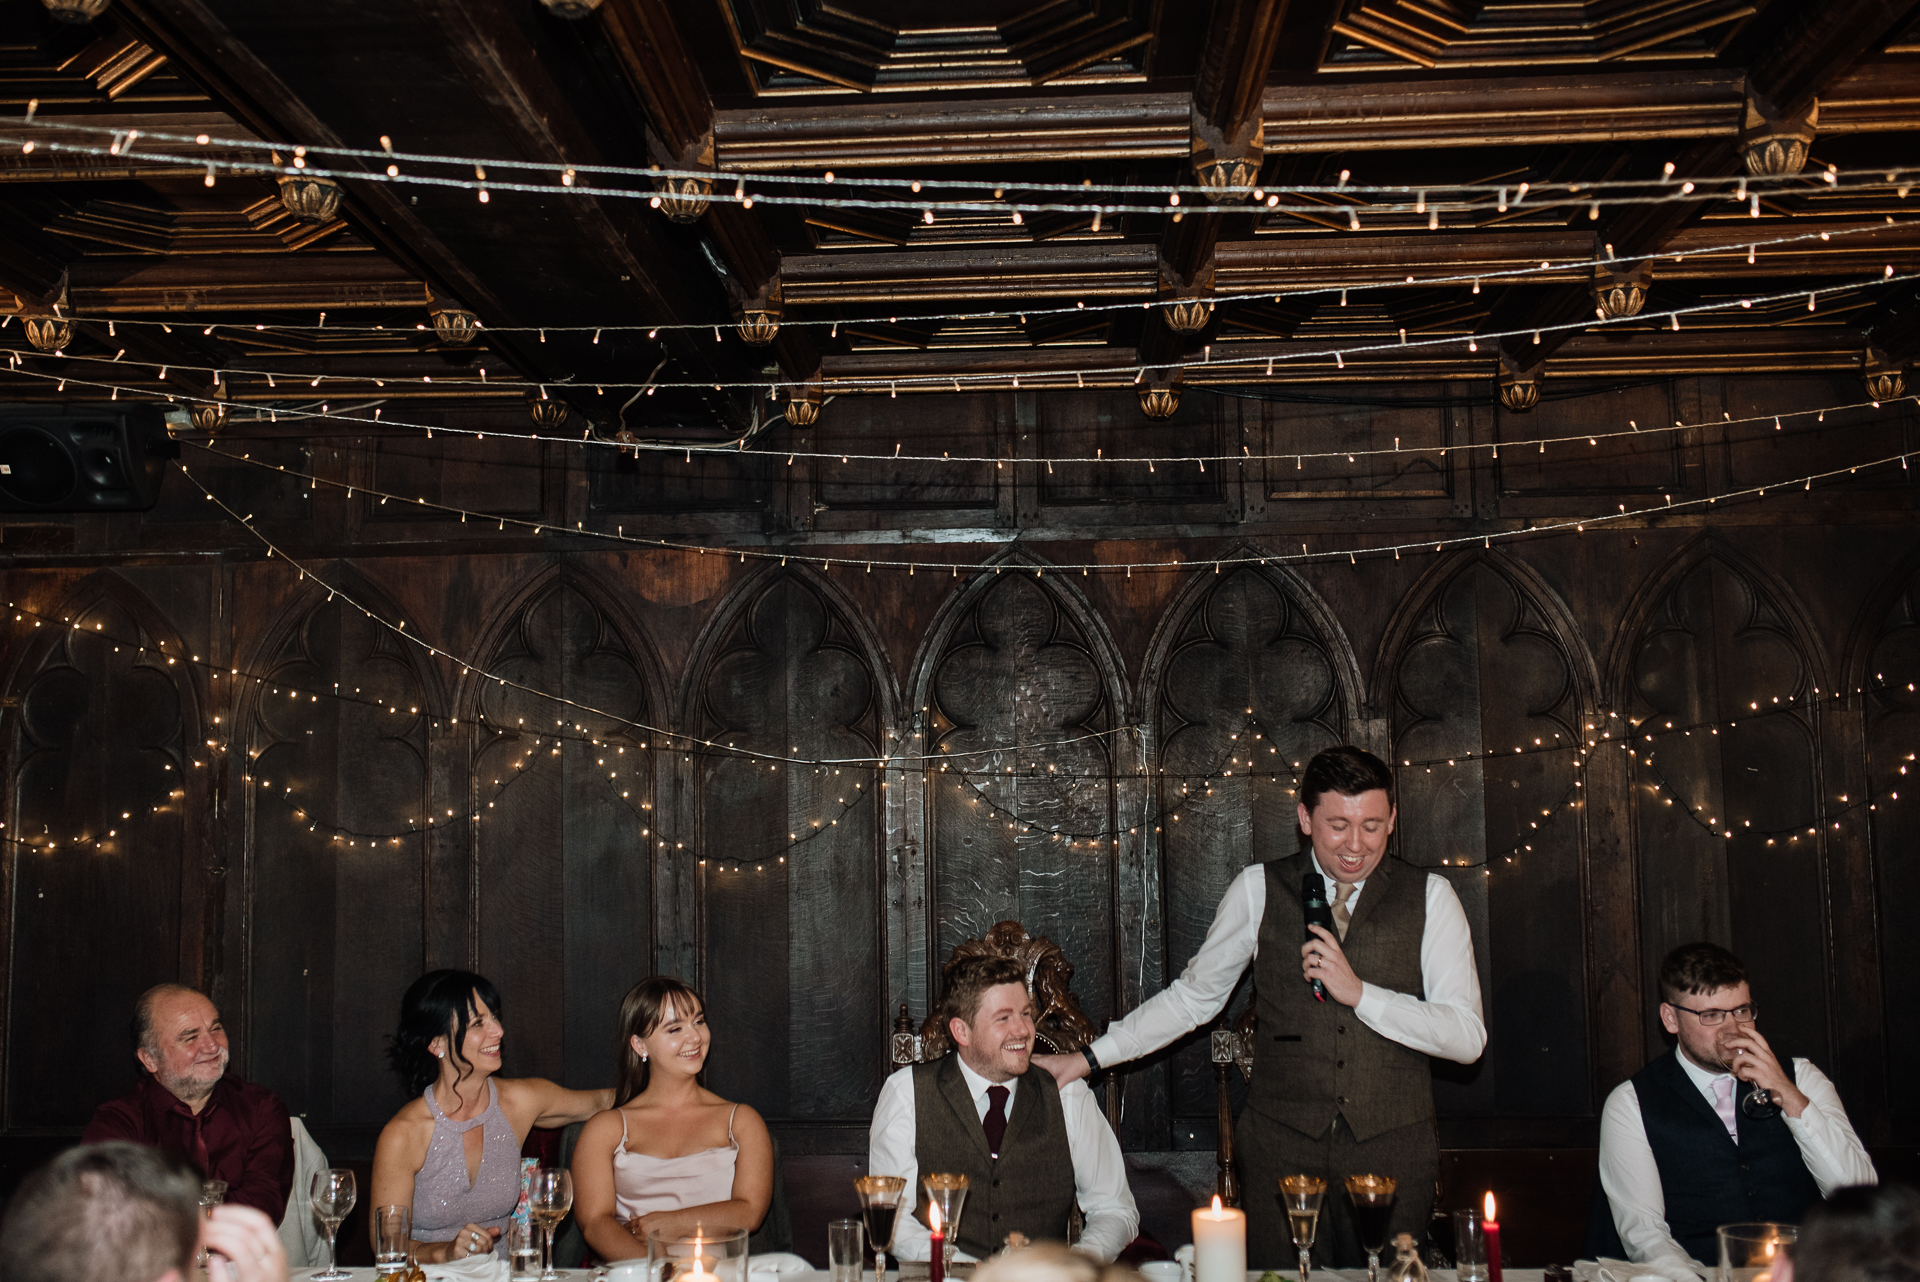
(1447, 1022)
(1099, 1171)
(1833, 1154)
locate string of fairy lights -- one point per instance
(958, 381)
(1195, 788)
(1606, 259)
(921, 197)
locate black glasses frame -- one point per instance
(1715, 1018)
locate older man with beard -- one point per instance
(189, 1105)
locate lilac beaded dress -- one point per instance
(443, 1200)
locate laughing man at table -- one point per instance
(188, 1104)
(1681, 1149)
(1029, 1148)
(1341, 1086)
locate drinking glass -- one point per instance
(879, 1205)
(1300, 1197)
(949, 1193)
(549, 1198)
(333, 1194)
(846, 1250)
(1752, 1246)
(1470, 1245)
(212, 1194)
(392, 1236)
(1372, 1213)
(523, 1250)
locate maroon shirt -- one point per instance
(242, 1136)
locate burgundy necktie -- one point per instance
(995, 1121)
(200, 1155)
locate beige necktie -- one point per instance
(1341, 914)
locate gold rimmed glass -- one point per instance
(879, 1206)
(949, 1193)
(1372, 1214)
(1300, 1197)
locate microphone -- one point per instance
(1313, 898)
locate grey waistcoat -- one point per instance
(1030, 1188)
(1313, 1059)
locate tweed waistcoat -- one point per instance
(1030, 1188)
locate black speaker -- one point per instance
(82, 458)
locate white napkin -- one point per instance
(476, 1268)
(777, 1264)
(1609, 1270)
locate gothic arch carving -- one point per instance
(562, 777)
(1023, 688)
(790, 869)
(1714, 666)
(109, 789)
(1488, 692)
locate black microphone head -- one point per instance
(1313, 898)
(1313, 886)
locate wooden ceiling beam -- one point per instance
(1819, 46)
(1316, 117)
(199, 287)
(1105, 272)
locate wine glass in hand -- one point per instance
(1372, 1211)
(1300, 1197)
(332, 1194)
(549, 1198)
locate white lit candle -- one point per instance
(1219, 1244)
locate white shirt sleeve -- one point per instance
(1099, 1176)
(1833, 1153)
(1631, 1179)
(891, 1145)
(1204, 986)
(1448, 1022)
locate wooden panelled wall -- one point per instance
(1120, 703)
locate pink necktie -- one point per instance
(1723, 1105)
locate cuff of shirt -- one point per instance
(1371, 1006)
(1107, 1051)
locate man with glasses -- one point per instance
(1686, 1145)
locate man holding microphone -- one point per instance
(1341, 1080)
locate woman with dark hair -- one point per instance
(453, 1153)
(670, 1154)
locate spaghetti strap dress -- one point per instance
(644, 1184)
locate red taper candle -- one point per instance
(1492, 1227)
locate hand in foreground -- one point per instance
(1066, 1069)
(472, 1240)
(1321, 958)
(1754, 1061)
(243, 1246)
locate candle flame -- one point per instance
(933, 1216)
(1216, 1212)
(1770, 1245)
(1490, 1214)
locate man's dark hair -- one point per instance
(1693, 969)
(967, 982)
(1347, 770)
(142, 1025)
(1867, 1233)
(114, 1210)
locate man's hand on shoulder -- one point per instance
(1066, 1069)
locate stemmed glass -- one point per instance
(1300, 1196)
(549, 1198)
(879, 1206)
(949, 1193)
(1372, 1213)
(332, 1194)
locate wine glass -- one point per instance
(1300, 1196)
(949, 1193)
(549, 1198)
(332, 1194)
(1372, 1212)
(879, 1205)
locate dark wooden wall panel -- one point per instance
(336, 920)
(1893, 740)
(106, 803)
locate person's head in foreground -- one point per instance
(116, 1210)
(1705, 1002)
(1346, 811)
(1866, 1233)
(989, 1016)
(1050, 1262)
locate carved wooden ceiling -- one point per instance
(1024, 95)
